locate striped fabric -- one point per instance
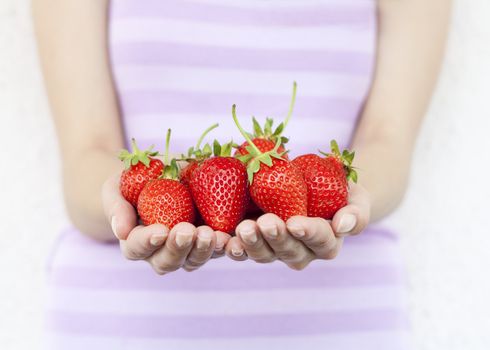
(182, 64)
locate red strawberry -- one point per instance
(187, 172)
(219, 189)
(195, 155)
(327, 180)
(140, 168)
(279, 189)
(265, 139)
(276, 185)
(165, 200)
(264, 145)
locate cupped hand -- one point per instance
(300, 240)
(184, 246)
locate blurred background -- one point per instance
(443, 220)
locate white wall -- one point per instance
(442, 219)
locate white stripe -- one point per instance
(212, 80)
(374, 340)
(314, 130)
(217, 303)
(240, 36)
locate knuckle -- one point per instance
(331, 254)
(299, 266)
(188, 268)
(193, 263)
(264, 260)
(287, 255)
(131, 253)
(158, 270)
(168, 267)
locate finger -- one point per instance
(202, 250)
(286, 248)
(177, 247)
(222, 239)
(120, 213)
(354, 217)
(316, 234)
(235, 249)
(143, 241)
(255, 246)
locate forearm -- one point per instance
(82, 184)
(72, 42)
(411, 41)
(382, 172)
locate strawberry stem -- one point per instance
(242, 131)
(201, 138)
(167, 147)
(136, 150)
(291, 105)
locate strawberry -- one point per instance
(264, 145)
(165, 200)
(265, 139)
(187, 172)
(219, 189)
(327, 180)
(194, 156)
(276, 185)
(140, 168)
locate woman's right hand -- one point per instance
(184, 246)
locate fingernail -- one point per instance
(248, 235)
(219, 246)
(270, 231)
(297, 232)
(113, 226)
(203, 240)
(183, 239)
(236, 252)
(347, 223)
(157, 239)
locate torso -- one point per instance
(182, 64)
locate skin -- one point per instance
(72, 43)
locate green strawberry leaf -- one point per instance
(257, 129)
(268, 126)
(348, 156)
(226, 149)
(250, 149)
(252, 168)
(334, 147)
(279, 130)
(144, 159)
(267, 160)
(207, 149)
(216, 148)
(352, 176)
(245, 158)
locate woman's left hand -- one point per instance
(300, 240)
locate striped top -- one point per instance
(182, 64)
(179, 63)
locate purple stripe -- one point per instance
(225, 326)
(141, 279)
(173, 102)
(164, 53)
(363, 14)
